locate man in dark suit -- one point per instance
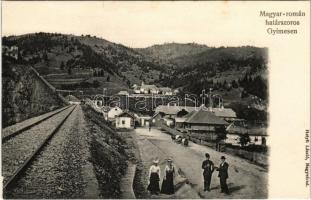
(208, 167)
(223, 175)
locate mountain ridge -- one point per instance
(177, 65)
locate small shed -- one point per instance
(125, 120)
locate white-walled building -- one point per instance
(125, 121)
(258, 136)
(166, 91)
(143, 120)
(113, 113)
(10, 51)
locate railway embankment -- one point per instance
(26, 94)
(111, 153)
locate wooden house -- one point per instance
(204, 124)
(125, 120)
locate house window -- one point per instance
(123, 122)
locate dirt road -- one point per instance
(246, 180)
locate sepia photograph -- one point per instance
(125, 100)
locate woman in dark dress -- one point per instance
(154, 178)
(168, 179)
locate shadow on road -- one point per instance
(236, 188)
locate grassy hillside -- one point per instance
(90, 64)
(76, 59)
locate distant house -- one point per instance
(238, 128)
(204, 124)
(157, 119)
(180, 121)
(72, 99)
(125, 120)
(225, 113)
(143, 120)
(113, 113)
(151, 89)
(165, 91)
(176, 91)
(148, 89)
(123, 92)
(136, 89)
(172, 110)
(168, 121)
(181, 117)
(10, 51)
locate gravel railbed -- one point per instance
(28, 122)
(16, 150)
(57, 171)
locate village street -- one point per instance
(246, 180)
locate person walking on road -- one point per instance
(154, 177)
(223, 175)
(208, 169)
(168, 179)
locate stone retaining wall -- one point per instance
(26, 94)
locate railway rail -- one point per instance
(13, 167)
(14, 130)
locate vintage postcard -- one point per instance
(155, 100)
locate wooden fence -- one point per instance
(256, 157)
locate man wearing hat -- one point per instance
(208, 168)
(223, 175)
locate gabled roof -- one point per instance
(173, 110)
(149, 87)
(126, 114)
(224, 112)
(204, 117)
(115, 108)
(189, 114)
(165, 89)
(123, 92)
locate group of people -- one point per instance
(168, 178)
(180, 140)
(208, 169)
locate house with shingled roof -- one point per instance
(203, 124)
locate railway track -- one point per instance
(21, 149)
(11, 132)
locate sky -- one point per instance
(137, 24)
